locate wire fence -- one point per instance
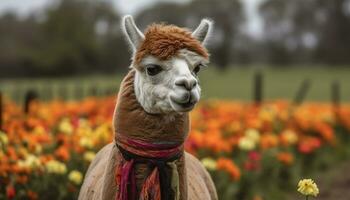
(52, 91)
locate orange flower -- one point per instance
(257, 197)
(213, 140)
(62, 153)
(285, 158)
(12, 153)
(229, 166)
(344, 116)
(309, 144)
(268, 140)
(288, 137)
(22, 179)
(4, 168)
(32, 195)
(326, 131)
(217, 128)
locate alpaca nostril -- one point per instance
(192, 83)
(188, 84)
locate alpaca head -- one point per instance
(167, 60)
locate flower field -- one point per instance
(253, 152)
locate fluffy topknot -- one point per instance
(164, 41)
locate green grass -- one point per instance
(236, 83)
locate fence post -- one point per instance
(335, 93)
(17, 94)
(78, 92)
(30, 96)
(302, 91)
(335, 97)
(109, 91)
(47, 92)
(93, 91)
(258, 87)
(1, 111)
(62, 92)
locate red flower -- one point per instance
(309, 145)
(251, 166)
(253, 162)
(254, 156)
(10, 192)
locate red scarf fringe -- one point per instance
(125, 175)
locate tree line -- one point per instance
(75, 37)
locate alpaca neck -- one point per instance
(131, 120)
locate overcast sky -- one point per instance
(25, 7)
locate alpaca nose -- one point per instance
(187, 83)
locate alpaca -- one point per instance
(147, 160)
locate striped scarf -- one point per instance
(159, 185)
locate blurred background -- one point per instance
(275, 105)
(63, 44)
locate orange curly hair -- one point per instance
(164, 41)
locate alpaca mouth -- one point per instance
(182, 106)
(187, 104)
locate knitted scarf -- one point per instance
(159, 185)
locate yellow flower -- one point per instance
(75, 176)
(3, 138)
(209, 163)
(253, 134)
(308, 187)
(56, 167)
(267, 114)
(290, 136)
(86, 142)
(235, 126)
(38, 149)
(65, 126)
(31, 162)
(84, 128)
(89, 156)
(23, 151)
(83, 123)
(246, 144)
(39, 130)
(102, 132)
(2, 154)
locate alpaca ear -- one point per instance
(131, 32)
(202, 32)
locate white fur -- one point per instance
(159, 93)
(133, 34)
(162, 93)
(203, 31)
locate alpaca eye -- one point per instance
(153, 70)
(197, 69)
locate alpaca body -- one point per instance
(153, 104)
(99, 176)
